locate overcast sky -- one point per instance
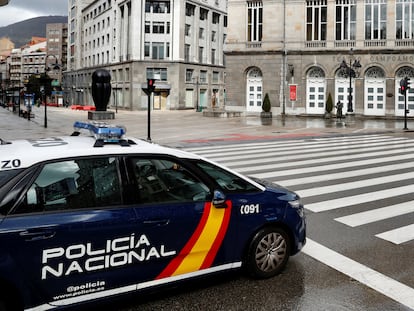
(19, 10)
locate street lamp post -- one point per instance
(196, 79)
(351, 71)
(55, 66)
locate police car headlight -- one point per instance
(298, 206)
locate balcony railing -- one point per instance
(315, 44)
(375, 43)
(253, 45)
(345, 43)
(404, 42)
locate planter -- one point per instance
(266, 118)
(327, 115)
(264, 114)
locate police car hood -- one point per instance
(275, 187)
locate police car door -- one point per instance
(183, 231)
(70, 235)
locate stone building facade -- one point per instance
(299, 52)
(179, 43)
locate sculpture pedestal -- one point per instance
(101, 115)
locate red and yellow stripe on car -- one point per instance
(201, 249)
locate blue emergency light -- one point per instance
(103, 132)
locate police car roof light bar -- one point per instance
(4, 142)
(103, 132)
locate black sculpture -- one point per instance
(101, 89)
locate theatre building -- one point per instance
(300, 52)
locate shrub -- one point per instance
(266, 106)
(329, 104)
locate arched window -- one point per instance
(315, 91)
(399, 98)
(375, 97)
(254, 90)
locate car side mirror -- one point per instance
(219, 199)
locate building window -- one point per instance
(254, 21)
(157, 73)
(375, 19)
(216, 18)
(200, 54)
(316, 20)
(404, 19)
(160, 50)
(203, 76)
(157, 50)
(189, 9)
(189, 75)
(216, 77)
(201, 34)
(203, 14)
(157, 6)
(147, 49)
(147, 27)
(213, 36)
(187, 49)
(213, 56)
(345, 27)
(187, 30)
(158, 27)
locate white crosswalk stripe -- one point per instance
(334, 173)
(399, 235)
(377, 214)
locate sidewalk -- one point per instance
(184, 126)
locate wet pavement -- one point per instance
(306, 284)
(188, 126)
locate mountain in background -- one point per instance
(22, 32)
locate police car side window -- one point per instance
(161, 180)
(73, 184)
(226, 180)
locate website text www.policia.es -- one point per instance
(87, 288)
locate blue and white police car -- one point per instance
(88, 217)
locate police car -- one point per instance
(89, 217)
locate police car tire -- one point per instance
(268, 253)
(2, 306)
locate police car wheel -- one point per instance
(2, 306)
(268, 253)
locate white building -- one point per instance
(179, 43)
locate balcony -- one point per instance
(345, 43)
(315, 44)
(404, 42)
(375, 43)
(253, 45)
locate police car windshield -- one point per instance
(229, 182)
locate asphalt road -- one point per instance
(340, 265)
(187, 126)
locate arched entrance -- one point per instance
(315, 90)
(399, 98)
(374, 103)
(254, 90)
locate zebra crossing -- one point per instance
(335, 173)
